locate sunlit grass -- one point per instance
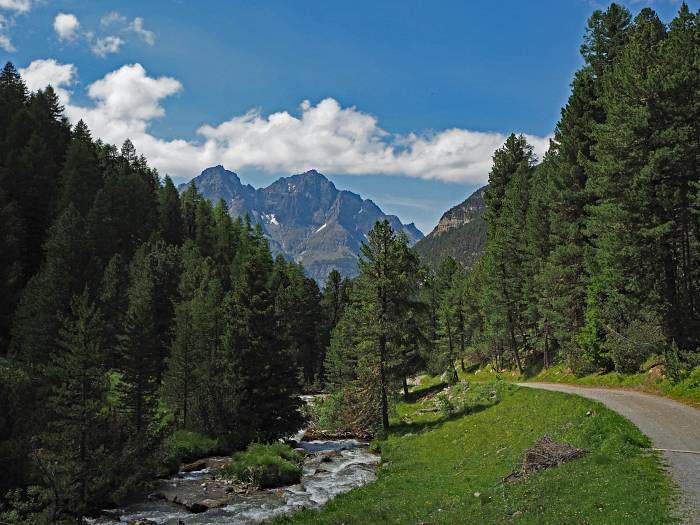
(446, 466)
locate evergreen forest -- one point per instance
(131, 312)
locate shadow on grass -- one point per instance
(422, 391)
(415, 427)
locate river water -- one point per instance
(331, 468)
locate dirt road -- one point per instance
(674, 428)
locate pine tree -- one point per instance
(507, 203)
(73, 454)
(81, 177)
(265, 382)
(190, 199)
(113, 301)
(198, 377)
(204, 227)
(383, 292)
(297, 300)
(31, 178)
(676, 229)
(448, 316)
(226, 233)
(11, 269)
(141, 354)
(13, 97)
(35, 327)
(473, 315)
(170, 213)
(626, 263)
(332, 303)
(129, 195)
(605, 38)
(563, 277)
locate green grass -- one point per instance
(266, 466)
(185, 445)
(686, 391)
(447, 466)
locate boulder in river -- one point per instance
(194, 466)
(206, 504)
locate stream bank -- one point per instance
(198, 497)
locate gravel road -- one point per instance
(673, 428)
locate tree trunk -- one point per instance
(405, 387)
(515, 351)
(450, 355)
(382, 379)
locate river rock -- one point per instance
(327, 457)
(206, 504)
(141, 522)
(196, 465)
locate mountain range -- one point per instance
(461, 233)
(304, 216)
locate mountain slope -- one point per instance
(461, 233)
(305, 217)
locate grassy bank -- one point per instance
(686, 391)
(446, 466)
(266, 466)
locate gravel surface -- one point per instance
(674, 428)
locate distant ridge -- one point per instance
(461, 233)
(305, 217)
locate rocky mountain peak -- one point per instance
(304, 216)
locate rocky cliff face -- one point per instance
(305, 217)
(461, 233)
(464, 213)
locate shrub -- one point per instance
(639, 340)
(445, 404)
(679, 365)
(266, 466)
(327, 411)
(185, 445)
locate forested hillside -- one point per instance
(129, 311)
(593, 254)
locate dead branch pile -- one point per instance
(545, 453)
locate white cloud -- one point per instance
(345, 140)
(6, 44)
(107, 45)
(41, 73)
(5, 40)
(129, 94)
(112, 18)
(325, 136)
(137, 27)
(66, 26)
(19, 6)
(115, 30)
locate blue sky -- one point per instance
(400, 101)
